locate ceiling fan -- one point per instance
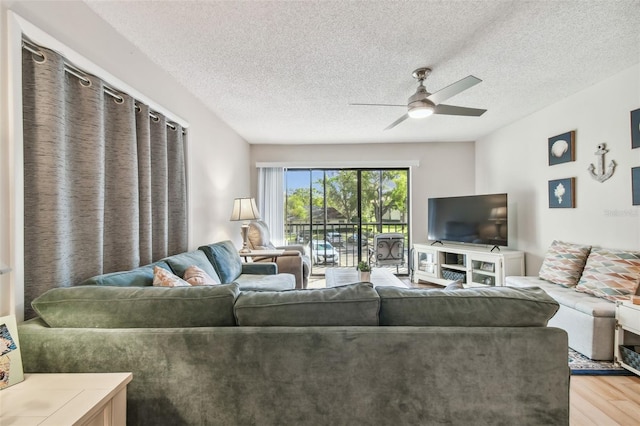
(422, 103)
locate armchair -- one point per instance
(294, 260)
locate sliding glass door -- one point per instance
(337, 212)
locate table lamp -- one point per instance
(244, 209)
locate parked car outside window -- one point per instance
(323, 252)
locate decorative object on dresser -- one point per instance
(245, 210)
(562, 193)
(562, 148)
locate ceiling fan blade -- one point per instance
(456, 110)
(453, 89)
(398, 121)
(404, 106)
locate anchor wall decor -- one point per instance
(601, 175)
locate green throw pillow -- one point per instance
(137, 307)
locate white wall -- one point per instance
(218, 158)
(446, 168)
(514, 159)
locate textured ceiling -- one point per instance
(286, 71)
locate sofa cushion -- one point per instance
(196, 276)
(180, 262)
(353, 304)
(277, 282)
(568, 296)
(471, 307)
(139, 277)
(225, 260)
(563, 263)
(137, 307)
(611, 274)
(164, 278)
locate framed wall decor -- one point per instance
(10, 360)
(562, 148)
(635, 186)
(635, 129)
(562, 193)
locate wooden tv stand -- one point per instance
(476, 266)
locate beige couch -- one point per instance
(586, 281)
(588, 320)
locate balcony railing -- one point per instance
(344, 240)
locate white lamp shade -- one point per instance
(245, 209)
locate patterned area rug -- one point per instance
(581, 365)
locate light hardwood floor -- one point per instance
(604, 400)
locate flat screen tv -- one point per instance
(473, 219)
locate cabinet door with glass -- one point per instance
(485, 270)
(427, 262)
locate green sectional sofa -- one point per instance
(220, 261)
(350, 355)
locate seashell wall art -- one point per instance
(562, 148)
(562, 193)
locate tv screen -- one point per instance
(473, 219)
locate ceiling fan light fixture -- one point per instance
(421, 111)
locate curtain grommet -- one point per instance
(86, 82)
(39, 58)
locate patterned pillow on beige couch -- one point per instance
(611, 274)
(563, 263)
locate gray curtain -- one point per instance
(104, 182)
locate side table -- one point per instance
(627, 319)
(66, 399)
(273, 254)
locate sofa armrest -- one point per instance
(260, 268)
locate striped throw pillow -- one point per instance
(563, 263)
(611, 274)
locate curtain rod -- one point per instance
(34, 48)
